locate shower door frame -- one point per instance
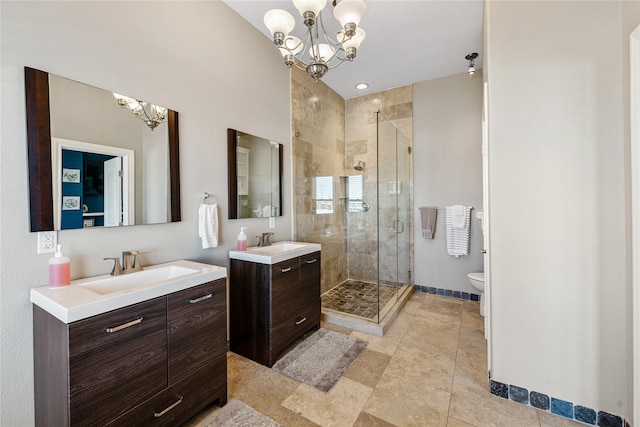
(401, 221)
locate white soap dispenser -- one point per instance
(242, 240)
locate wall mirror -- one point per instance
(97, 158)
(255, 176)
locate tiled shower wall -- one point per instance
(319, 149)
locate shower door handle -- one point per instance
(398, 226)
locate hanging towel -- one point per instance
(458, 238)
(208, 225)
(428, 217)
(459, 216)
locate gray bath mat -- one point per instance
(321, 359)
(239, 414)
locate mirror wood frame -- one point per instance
(39, 153)
(232, 168)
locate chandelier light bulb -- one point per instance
(354, 41)
(291, 46)
(314, 6)
(280, 23)
(349, 11)
(321, 52)
(151, 114)
(472, 71)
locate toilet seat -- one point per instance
(479, 276)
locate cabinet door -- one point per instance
(284, 290)
(197, 328)
(309, 278)
(116, 361)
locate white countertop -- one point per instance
(276, 252)
(76, 301)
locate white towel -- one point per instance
(459, 215)
(458, 239)
(208, 225)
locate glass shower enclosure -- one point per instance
(362, 216)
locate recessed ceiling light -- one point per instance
(362, 86)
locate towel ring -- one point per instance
(209, 199)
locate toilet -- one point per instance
(477, 281)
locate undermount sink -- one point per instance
(276, 252)
(140, 279)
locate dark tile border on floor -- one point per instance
(446, 293)
(556, 406)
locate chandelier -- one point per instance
(151, 114)
(324, 54)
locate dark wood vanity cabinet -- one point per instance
(272, 305)
(157, 362)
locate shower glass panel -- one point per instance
(394, 211)
(374, 198)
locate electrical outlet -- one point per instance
(272, 222)
(47, 242)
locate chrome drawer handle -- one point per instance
(123, 326)
(159, 414)
(202, 298)
(286, 270)
(311, 261)
(301, 321)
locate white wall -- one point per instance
(558, 223)
(198, 58)
(447, 147)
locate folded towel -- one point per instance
(428, 217)
(208, 225)
(458, 239)
(459, 215)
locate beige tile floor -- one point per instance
(428, 370)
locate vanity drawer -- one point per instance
(181, 400)
(197, 328)
(285, 333)
(126, 363)
(118, 326)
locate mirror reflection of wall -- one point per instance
(255, 176)
(66, 110)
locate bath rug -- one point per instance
(321, 359)
(238, 414)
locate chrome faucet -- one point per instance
(264, 240)
(129, 263)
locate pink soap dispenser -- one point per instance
(242, 240)
(59, 270)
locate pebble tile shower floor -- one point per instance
(358, 297)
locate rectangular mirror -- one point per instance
(97, 158)
(255, 176)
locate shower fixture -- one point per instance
(360, 166)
